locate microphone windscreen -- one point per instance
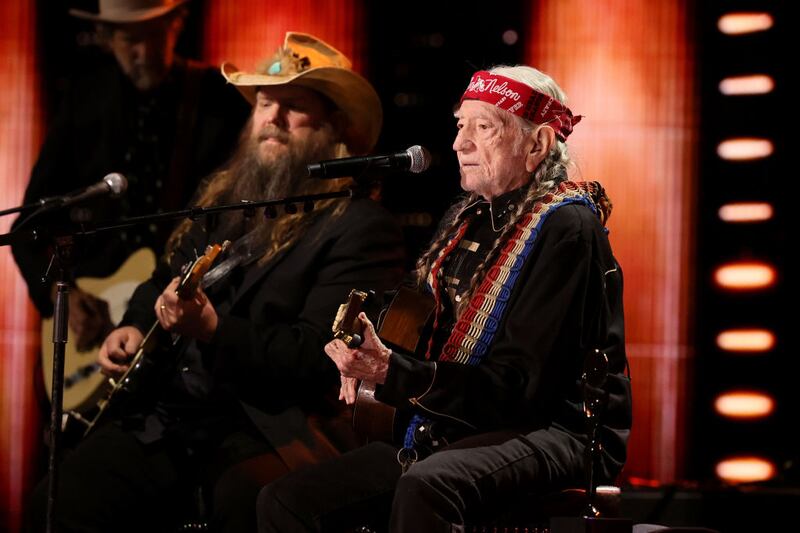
(420, 158)
(116, 182)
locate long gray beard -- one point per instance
(282, 176)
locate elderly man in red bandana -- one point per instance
(524, 286)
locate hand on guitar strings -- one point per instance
(118, 348)
(194, 317)
(348, 391)
(368, 362)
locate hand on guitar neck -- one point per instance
(182, 308)
(367, 360)
(191, 317)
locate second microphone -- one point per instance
(416, 159)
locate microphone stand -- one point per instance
(63, 258)
(595, 401)
(19, 209)
(63, 261)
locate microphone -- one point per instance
(113, 185)
(415, 159)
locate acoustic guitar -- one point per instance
(83, 382)
(403, 327)
(147, 360)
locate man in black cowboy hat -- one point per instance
(253, 395)
(162, 121)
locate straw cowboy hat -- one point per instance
(307, 61)
(127, 11)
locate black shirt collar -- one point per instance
(501, 207)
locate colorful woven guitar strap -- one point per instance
(475, 329)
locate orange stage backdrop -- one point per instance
(19, 142)
(628, 66)
(243, 32)
(246, 32)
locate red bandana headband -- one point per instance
(521, 100)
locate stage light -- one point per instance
(745, 469)
(741, 23)
(746, 340)
(740, 212)
(747, 85)
(744, 148)
(510, 37)
(742, 380)
(743, 404)
(745, 275)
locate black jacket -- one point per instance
(267, 353)
(567, 301)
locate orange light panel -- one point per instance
(622, 85)
(20, 138)
(752, 84)
(744, 469)
(741, 23)
(745, 275)
(746, 340)
(746, 212)
(744, 404)
(744, 148)
(247, 32)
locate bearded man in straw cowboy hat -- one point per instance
(162, 121)
(253, 395)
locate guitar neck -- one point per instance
(150, 340)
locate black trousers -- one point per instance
(111, 482)
(366, 487)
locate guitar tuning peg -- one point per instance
(355, 341)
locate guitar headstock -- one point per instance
(346, 325)
(194, 272)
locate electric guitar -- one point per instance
(144, 362)
(403, 326)
(83, 382)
